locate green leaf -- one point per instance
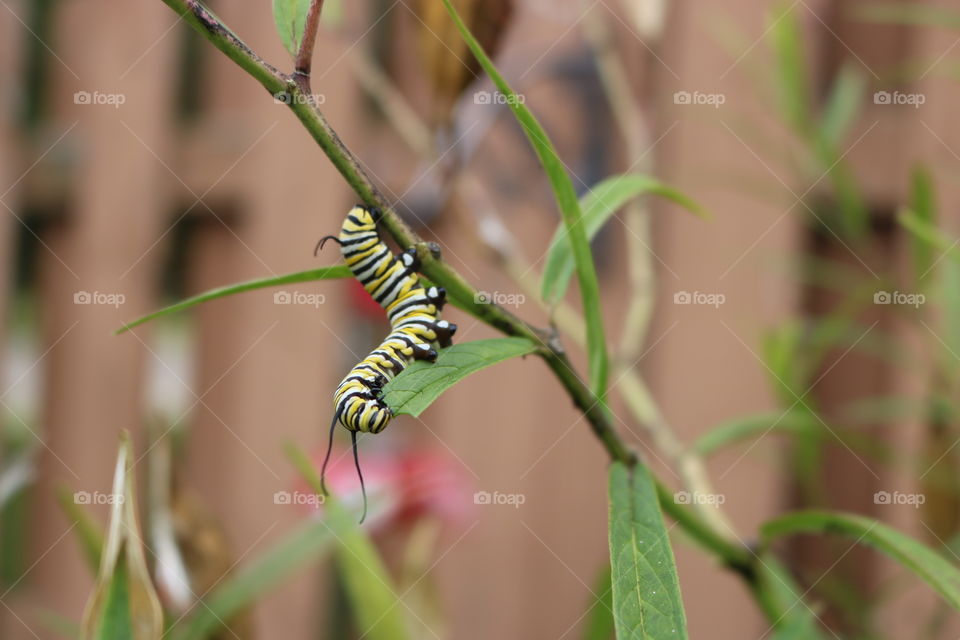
(290, 17)
(949, 329)
(603, 200)
(928, 233)
(599, 624)
(566, 198)
(927, 564)
(421, 383)
(117, 622)
(742, 428)
(88, 531)
(843, 103)
(376, 606)
(825, 143)
(791, 71)
(297, 551)
(781, 595)
(783, 357)
(332, 15)
(646, 592)
(912, 13)
(923, 210)
(124, 604)
(324, 273)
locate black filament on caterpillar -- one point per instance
(415, 327)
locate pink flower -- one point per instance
(402, 487)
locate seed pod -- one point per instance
(446, 59)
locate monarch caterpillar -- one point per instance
(415, 326)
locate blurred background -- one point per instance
(139, 166)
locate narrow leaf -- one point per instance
(927, 564)
(928, 233)
(566, 198)
(646, 592)
(742, 428)
(124, 604)
(373, 599)
(602, 201)
(325, 273)
(88, 531)
(791, 71)
(290, 16)
(949, 329)
(296, 552)
(912, 13)
(421, 383)
(794, 618)
(843, 103)
(924, 211)
(599, 622)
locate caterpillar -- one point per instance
(415, 327)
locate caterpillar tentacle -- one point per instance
(356, 462)
(416, 331)
(323, 241)
(326, 459)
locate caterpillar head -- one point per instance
(366, 216)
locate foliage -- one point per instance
(638, 595)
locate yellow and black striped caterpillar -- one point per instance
(415, 326)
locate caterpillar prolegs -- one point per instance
(415, 327)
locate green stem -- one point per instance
(735, 556)
(434, 268)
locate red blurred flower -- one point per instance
(402, 487)
(362, 301)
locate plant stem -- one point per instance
(433, 267)
(627, 112)
(305, 53)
